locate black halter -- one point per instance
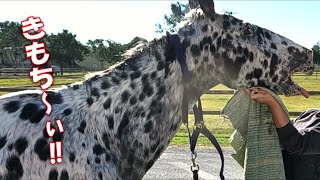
(199, 126)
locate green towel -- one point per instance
(255, 138)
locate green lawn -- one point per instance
(219, 127)
(26, 81)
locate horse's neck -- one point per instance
(136, 104)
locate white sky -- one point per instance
(123, 20)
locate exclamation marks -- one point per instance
(56, 152)
(59, 151)
(52, 153)
(55, 147)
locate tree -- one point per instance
(63, 47)
(178, 11)
(11, 42)
(134, 42)
(106, 51)
(316, 53)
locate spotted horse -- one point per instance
(118, 122)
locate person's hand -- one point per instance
(261, 96)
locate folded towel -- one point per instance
(255, 138)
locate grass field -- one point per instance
(217, 125)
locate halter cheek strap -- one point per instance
(199, 126)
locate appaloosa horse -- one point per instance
(118, 122)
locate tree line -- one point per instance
(64, 49)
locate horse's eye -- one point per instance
(248, 32)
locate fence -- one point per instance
(215, 112)
(5, 72)
(25, 71)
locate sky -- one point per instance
(122, 20)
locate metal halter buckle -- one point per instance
(195, 168)
(199, 125)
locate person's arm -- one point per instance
(289, 137)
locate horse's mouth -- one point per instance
(291, 88)
(300, 90)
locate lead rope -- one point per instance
(199, 127)
(198, 114)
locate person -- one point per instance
(300, 139)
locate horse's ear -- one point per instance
(193, 4)
(168, 37)
(207, 7)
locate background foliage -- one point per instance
(67, 51)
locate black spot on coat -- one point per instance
(212, 48)
(14, 167)
(246, 52)
(132, 85)
(107, 104)
(3, 141)
(215, 35)
(64, 175)
(28, 111)
(72, 157)
(95, 92)
(273, 46)
(204, 28)
(291, 49)
(97, 160)
(267, 35)
(38, 115)
(148, 126)
(89, 101)
(12, 106)
(195, 50)
(257, 73)
(75, 87)
(105, 140)
(133, 100)
(251, 56)
(161, 92)
(141, 97)
(105, 85)
(82, 126)
(54, 98)
(125, 96)
(98, 149)
(115, 80)
(226, 24)
(67, 112)
(265, 64)
(57, 136)
(135, 75)
(100, 175)
(53, 174)
(160, 66)
(110, 122)
(267, 53)
(41, 148)
(124, 123)
(20, 145)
